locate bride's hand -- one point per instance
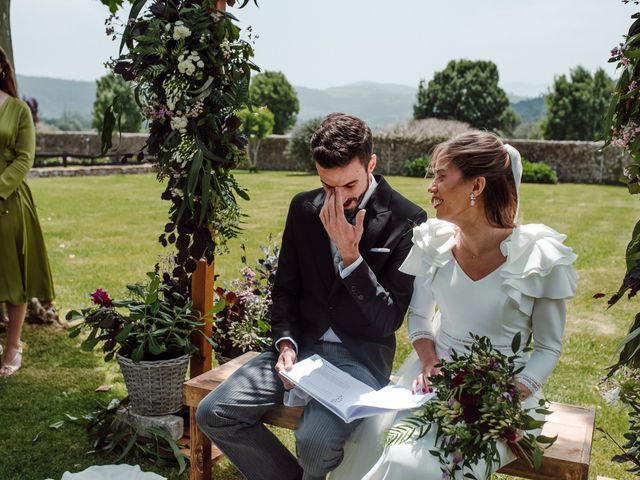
(426, 350)
(523, 391)
(422, 384)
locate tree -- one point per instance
(70, 122)
(256, 125)
(107, 88)
(5, 30)
(577, 105)
(273, 90)
(467, 91)
(298, 149)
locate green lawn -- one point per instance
(102, 231)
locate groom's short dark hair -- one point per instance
(339, 139)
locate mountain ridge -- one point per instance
(379, 104)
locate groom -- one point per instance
(337, 293)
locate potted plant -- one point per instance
(150, 337)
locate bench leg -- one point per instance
(200, 468)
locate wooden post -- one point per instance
(202, 296)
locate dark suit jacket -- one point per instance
(364, 309)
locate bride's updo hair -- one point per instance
(482, 154)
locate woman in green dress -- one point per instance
(24, 268)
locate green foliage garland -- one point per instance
(622, 128)
(191, 69)
(622, 125)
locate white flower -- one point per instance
(180, 32)
(200, 64)
(186, 67)
(167, 27)
(179, 123)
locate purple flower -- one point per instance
(457, 458)
(100, 297)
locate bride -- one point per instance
(487, 275)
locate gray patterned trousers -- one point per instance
(230, 416)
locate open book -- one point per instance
(346, 396)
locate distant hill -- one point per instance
(56, 96)
(530, 110)
(380, 104)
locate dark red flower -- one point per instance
(230, 298)
(458, 379)
(512, 434)
(100, 297)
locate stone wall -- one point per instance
(574, 162)
(577, 162)
(85, 144)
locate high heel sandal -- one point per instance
(8, 368)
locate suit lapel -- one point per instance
(319, 242)
(377, 218)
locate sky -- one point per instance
(327, 43)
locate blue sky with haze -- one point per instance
(328, 43)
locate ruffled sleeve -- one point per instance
(538, 276)
(538, 265)
(432, 244)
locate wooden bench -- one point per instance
(567, 459)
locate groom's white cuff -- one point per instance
(345, 272)
(295, 345)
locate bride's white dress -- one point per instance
(525, 294)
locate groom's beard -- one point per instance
(356, 201)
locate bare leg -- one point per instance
(13, 353)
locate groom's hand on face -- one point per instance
(345, 237)
(286, 360)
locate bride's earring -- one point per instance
(472, 199)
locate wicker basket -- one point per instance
(155, 388)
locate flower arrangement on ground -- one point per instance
(242, 321)
(476, 406)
